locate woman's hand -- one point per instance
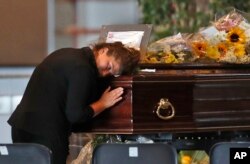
(108, 99)
(111, 97)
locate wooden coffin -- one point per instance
(198, 99)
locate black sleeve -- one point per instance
(79, 91)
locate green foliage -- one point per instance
(105, 138)
(99, 139)
(186, 16)
(218, 5)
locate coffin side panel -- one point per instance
(146, 96)
(222, 103)
(117, 119)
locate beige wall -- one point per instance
(23, 32)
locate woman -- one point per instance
(63, 91)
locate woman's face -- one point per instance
(107, 65)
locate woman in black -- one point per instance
(64, 90)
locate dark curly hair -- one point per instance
(128, 57)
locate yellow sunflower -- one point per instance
(170, 58)
(213, 53)
(236, 35)
(239, 50)
(153, 60)
(222, 48)
(186, 159)
(199, 48)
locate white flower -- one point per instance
(229, 57)
(220, 36)
(244, 25)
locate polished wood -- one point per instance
(205, 97)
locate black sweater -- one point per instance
(59, 93)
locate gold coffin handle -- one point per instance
(164, 104)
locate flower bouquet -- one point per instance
(173, 49)
(227, 40)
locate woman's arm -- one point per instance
(108, 99)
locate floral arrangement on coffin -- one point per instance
(226, 41)
(173, 49)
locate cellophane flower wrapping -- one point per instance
(172, 49)
(227, 40)
(85, 155)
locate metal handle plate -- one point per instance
(164, 106)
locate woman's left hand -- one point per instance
(111, 97)
(108, 99)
